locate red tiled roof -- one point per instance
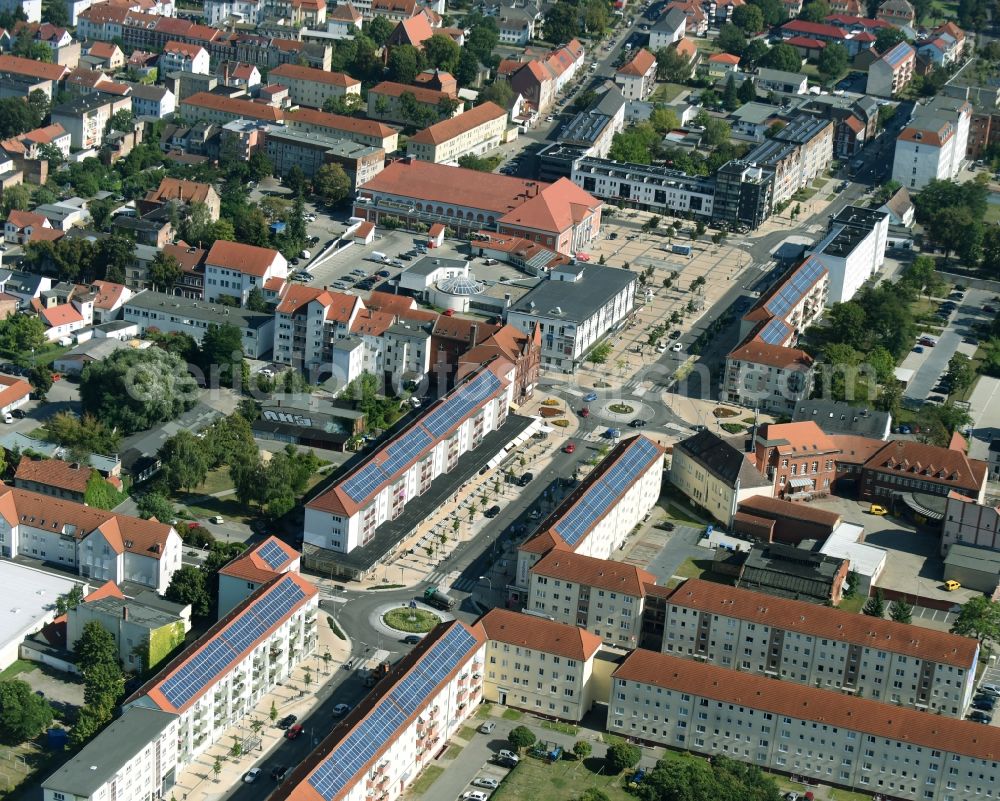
(179, 189)
(758, 352)
(557, 208)
(12, 390)
(249, 564)
(456, 126)
(62, 314)
(247, 259)
(299, 73)
(814, 29)
(539, 634)
(805, 41)
(797, 438)
(723, 58)
(183, 49)
(53, 473)
(928, 463)
(308, 116)
(26, 219)
(420, 93)
(31, 68)
(234, 106)
(800, 701)
(641, 63)
(108, 294)
(770, 508)
(602, 573)
(415, 31)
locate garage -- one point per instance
(973, 568)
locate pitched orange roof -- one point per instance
(539, 634)
(183, 49)
(247, 259)
(802, 702)
(53, 473)
(108, 294)
(252, 566)
(31, 68)
(372, 322)
(299, 73)
(235, 106)
(602, 573)
(13, 389)
(758, 352)
(62, 314)
(928, 463)
(641, 63)
(794, 438)
(558, 207)
(179, 189)
(456, 126)
(420, 93)
(724, 58)
(26, 219)
(309, 116)
(415, 31)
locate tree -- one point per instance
(122, 120)
(773, 11)
(221, 352)
(636, 144)
(815, 11)
(979, 618)
(748, 89)
(600, 353)
(562, 23)
(40, 379)
(100, 494)
(875, 605)
(663, 119)
(498, 92)
(95, 646)
(782, 57)
(69, 600)
(188, 586)
(961, 372)
(749, 19)
(155, 504)
(23, 715)
(901, 611)
(104, 685)
(54, 12)
(467, 69)
(217, 768)
(832, 61)
(717, 131)
(164, 271)
(26, 47)
(16, 197)
(672, 66)
(887, 38)
(582, 749)
(441, 52)
(379, 29)
(404, 64)
(521, 737)
(88, 722)
(331, 183)
(185, 464)
(621, 756)
(730, 96)
(594, 794)
(132, 390)
(731, 39)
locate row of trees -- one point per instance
(642, 144)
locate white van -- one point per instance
(305, 254)
(8, 418)
(377, 256)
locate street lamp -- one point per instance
(489, 581)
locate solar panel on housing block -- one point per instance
(344, 763)
(218, 655)
(775, 332)
(464, 400)
(598, 498)
(273, 554)
(402, 451)
(362, 484)
(793, 290)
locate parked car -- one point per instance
(493, 511)
(341, 709)
(637, 423)
(613, 433)
(287, 721)
(918, 349)
(990, 689)
(412, 639)
(677, 347)
(590, 397)
(509, 755)
(475, 795)
(525, 479)
(486, 781)
(294, 732)
(988, 701)
(980, 717)
(951, 585)
(877, 509)
(487, 727)
(251, 776)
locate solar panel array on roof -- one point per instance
(466, 398)
(795, 288)
(775, 332)
(380, 725)
(403, 450)
(229, 645)
(897, 54)
(599, 497)
(273, 554)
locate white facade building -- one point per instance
(870, 746)
(252, 569)
(309, 322)
(932, 147)
(853, 250)
(183, 57)
(234, 269)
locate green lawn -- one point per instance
(453, 751)
(804, 194)
(693, 568)
(512, 714)
(992, 213)
(466, 733)
(216, 481)
(484, 710)
(558, 725)
(15, 668)
(667, 92)
(426, 778)
(413, 621)
(563, 781)
(852, 605)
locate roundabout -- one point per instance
(409, 620)
(621, 408)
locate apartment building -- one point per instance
(538, 665)
(19, 71)
(184, 193)
(889, 75)
(348, 513)
(364, 132)
(805, 643)
(900, 469)
(309, 321)
(766, 370)
(596, 518)
(312, 87)
(386, 102)
(798, 153)
(310, 151)
(86, 117)
(379, 748)
(155, 102)
(55, 477)
(637, 77)
(866, 745)
(932, 146)
(183, 57)
(853, 250)
(716, 473)
(669, 29)
(96, 544)
(252, 569)
(208, 107)
(540, 80)
(943, 45)
(601, 596)
(217, 681)
(471, 133)
(233, 269)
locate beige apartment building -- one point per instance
(598, 595)
(308, 86)
(364, 132)
(538, 665)
(805, 643)
(869, 746)
(472, 133)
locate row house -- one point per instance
(472, 133)
(804, 643)
(217, 109)
(362, 131)
(20, 74)
(389, 101)
(310, 151)
(183, 57)
(853, 250)
(901, 468)
(540, 79)
(817, 734)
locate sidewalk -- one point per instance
(198, 781)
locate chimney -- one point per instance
(124, 611)
(474, 334)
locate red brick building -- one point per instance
(798, 458)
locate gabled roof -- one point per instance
(13, 389)
(929, 463)
(558, 207)
(247, 259)
(32, 69)
(420, 93)
(539, 634)
(456, 126)
(183, 49)
(308, 116)
(299, 73)
(25, 219)
(180, 189)
(602, 573)
(53, 473)
(109, 294)
(414, 31)
(345, 12)
(641, 63)
(262, 562)
(62, 314)
(723, 58)
(757, 352)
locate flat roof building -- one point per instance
(31, 596)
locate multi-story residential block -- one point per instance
(309, 321)
(817, 645)
(853, 250)
(637, 77)
(310, 151)
(364, 132)
(942, 46)
(575, 309)
(187, 313)
(889, 75)
(601, 596)
(517, 26)
(94, 543)
(252, 569)
(538, 665)
(932, 146)
(799, 153)
(20, 72)
(380, 746)
(588, 133)
(313, 87)
(595, 519)
(347, 514)
(184, 193)
(716, 473)
(343, 21)
(183, 57)
(219, 109)
(386, 102)
(86, 117)
(234, 269)
(540, 80)
(471, 133)
(523, 350)
(694, 14)
(809, 732)
(669, 29)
